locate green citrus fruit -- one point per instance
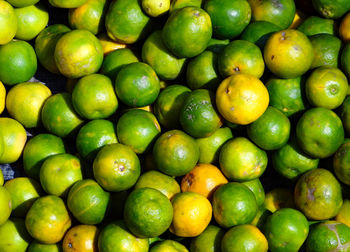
(187, 24)
(341, 163)
(67, 3)
(327, 50)
(217, 45)
(261, 217)
(286, 230)
(81, 238)
(277, 198)
(345, 60)
(179, 4)
(175, 153)
(78, 53)
(23, 191)
(36, 246)
(48, 219)
(168, 246)
(93, 136)
(116, 237)
(88, 202)
(22, 3)
(5, 204)
(18, 62)
(315, 25)
(155, 8)
(8, 21)
(319, 132)
(208, 241)
(331, 9)
(14, 236)
(25, 101)
(257, 188)
(345, 114)
(31, 20)
(318, 194)
(45, 44)
(241, 160)
(147, 212)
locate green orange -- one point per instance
(343, 215)
(22, 3)
(345, 115)
(257, 188)
(331, 9)
(341, 163)
(5, 204)
(155, 8)
(14, 236)
(209, 240)
(36, 246)
(327, 50)
(345, 59)
(277, 198)
(81, 238)
(168, 245)
(316, 25)
(179, 4)
(67, 3)
(8, 21)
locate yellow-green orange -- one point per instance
(36, 246)
(155, 8)
(81, 238)
(345, 59)
(257, 188)
(279, 197)
(67, 3)
(179, 4)
(14, 236)
(208, 241)
(2, 97)
(345, 115)
(168, 246)
(343, 215)
(316, 25)
(5, 204)
(330, 9)
(22, 3)
(8, 22)
(341, 163)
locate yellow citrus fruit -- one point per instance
(2, 97)
(344, 28)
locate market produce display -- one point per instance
(174, 125)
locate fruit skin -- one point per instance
(8, 21)
(115, 237)
(288, 53)
(48, 219)
(277, 198)
(175, 153)
(318, 189)
(187, 24)
(209, 240)
(155, 8)
(37, 150)
(241, 160)
(257, 188)
(22, 3)
(126, 22)
(326, 87)
(232, 98)
(88, 202)
(192, 214)
(67, 3)
(328, 236)
(315, 25)
(116, 167)
(81, 238)
(25, 101)
(319, 132)
(331, 9)
(345, 115)
(5, 205)
(344, 28)
(14, 236)
(244, 238)
(78, 53)
(18, 62)
(168, 245)
(345, 60)
(341, 163)
(286, 230)
(179, 4)
(13, 137)
(234, 204)
(147, 212)
(229, 18)
(343, 215)
(36, 246)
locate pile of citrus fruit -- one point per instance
(185, 125)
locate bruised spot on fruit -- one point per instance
(232, 108)
(310, 194)
(189, 179)
(196, 13)
(121, 168)
(272, 57)
(70, 245)
(160, 4)
(236, 69)
(283, 36)
(277, 4)
(227, 91)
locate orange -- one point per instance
(344, 28)
(179, 4)
(299, 17)
(14, 236)
(316, 25)
(67, 3)
(5, 204)
(155, 8)
(2, 97)
(8, 22)
(330, 9)
(341, 163)
(208, 240)
(344, 214)
(327, 50)
(278, 198)
(22, 3)
(108, 44)
(168, 246)
(82, 238)
(203, 179)
(36, 246)
(1, 178)
(258, 32)
(241, 98)
(257, 188)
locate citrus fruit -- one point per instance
(48, 219)
(271, 130)
(87, 201)
(318, 194)
(14, 236)
(257, 188)
(13, 138)
(5, 204)
(345, 60)
(169, 246)
(344, 28)
(89, 16)
(179, 4)
(299, 17)
(209, 240)
(217, 45)
(241, 98)
(229, 18)
(126, 22)
(315, 25)
(187, 24)
(31, 20)
(45, 44)
(78, 53)
(138, 129)
(168, 105)
(24, 102)
(288, 53)
(67, 3)
(287, 95)
(18, 62)
(59, 172)
(116, 167)
(244, 238)
(328, 236)
(22, 3)
(81, 238)
(198, 115)
(319, 132)
(157, 180)
(261, 217)
(99, 91)
(343, 215)
(258, 32)
(23, 191)
(280, 13)
(345, 115)
(327, 50)
(241, 160)
(165, 64)
(286, 230)
(116, 237)
(147, 212)
(1, 178)
(155, 8)
(108, 44)
(175, 153)
(116, 60)
(209, 147)
(192, 214)
(203, 179)
(37, 150)
(2, 97)
(39, 247)
(241, 56)
(137, 85)
(93, 136)
(58, 115)
(278, 198)
(341, 163)
(331, 9)
(290, 161)
(8, 21)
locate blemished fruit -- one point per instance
(81, 238)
